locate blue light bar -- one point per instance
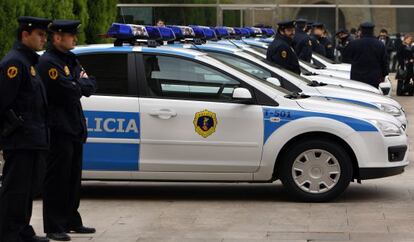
(242, 32)
(209, 33)
(153, 33)
(182, 32)
(167, 34)
(221, 32)
(251, 31)
(268, 32)
(127, 31)
(177, 31)
(199, 33)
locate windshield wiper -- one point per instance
(314, 83)
(296, 95)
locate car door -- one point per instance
(112, 114)
(190, 123)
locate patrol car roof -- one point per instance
(144, 49)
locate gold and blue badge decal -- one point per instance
(205, 123)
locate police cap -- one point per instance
(342, 31)
(367, 25)
(286, 24)
(28, 22)
(318, 25)
(65, 26)
(301, 21)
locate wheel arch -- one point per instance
(320, 135)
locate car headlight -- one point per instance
(393, 110)
(387, 128)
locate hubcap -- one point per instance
(316, 171)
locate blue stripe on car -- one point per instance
(365, 104)
(110, 153)
(275, 118)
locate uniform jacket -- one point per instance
(280, 52)
(368, 58)
(302, 45)
(22, 90)
(61, 74)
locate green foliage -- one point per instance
(95, 15)
(102, 13)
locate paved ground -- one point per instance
(378, 210)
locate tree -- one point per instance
(80, 10)
(102, 13)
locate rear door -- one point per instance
(112, 113)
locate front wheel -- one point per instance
(316, 170)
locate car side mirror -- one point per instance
(242, 94)
(274, 81)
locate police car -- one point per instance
(263, 69)
(175, 114)
(326, 66)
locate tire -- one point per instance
(316, 170)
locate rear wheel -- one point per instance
(316, 170)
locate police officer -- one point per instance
(317, 47)
(386, 40)
(368, 57)
(343, 40)
(66, 82)
(24, 134)
(280, 51)
(320, 34)
(302, 42)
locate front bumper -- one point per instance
(379, 172)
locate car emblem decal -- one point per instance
(205, 123)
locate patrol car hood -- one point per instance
(335, 73)
(326, 105)
(343, 82)
(355, 95)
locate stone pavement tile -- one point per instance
(177, 240)
(266, 240)
(382, 237)
(368, 226)
(339, 224)
(309, 236)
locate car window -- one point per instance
(241, 64)
(179, 78)
(110, 71)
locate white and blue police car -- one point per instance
(258, 66)
(175, 114)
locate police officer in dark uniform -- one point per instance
(368, 57)
(280, 51)
(66, 82)
(302, 42)
(317, 47)
(319, 32)
(24, 135)
(343, 40)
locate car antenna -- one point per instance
(231, 41)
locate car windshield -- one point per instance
(246, 69)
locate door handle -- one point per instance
(163, 113)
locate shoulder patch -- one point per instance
(32, 71)
(283, 54)
(67, 71)
(53, 73)
(12, 72)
